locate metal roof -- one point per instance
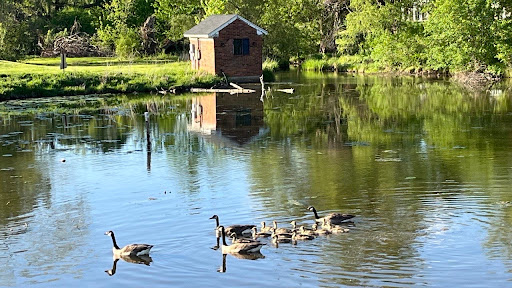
(210, 26)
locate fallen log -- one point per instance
(232, 91)
(287, 90)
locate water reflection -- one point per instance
(235, 120)
(248, 256)
(142, 259)
(424, 165)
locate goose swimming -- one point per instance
(333, 218)
(131, 249)
(239, 230)
(239, 247)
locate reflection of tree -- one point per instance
(22, 183)
(426, 125)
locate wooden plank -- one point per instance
(236, 86)
(233, 91)
(287, 90)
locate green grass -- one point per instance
(340, 64)
(100, 61)
(41, 77)
(270, 64)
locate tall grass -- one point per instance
(270, 64)
(43, 77)
(339, 64)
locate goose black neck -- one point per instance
(314, 211)
(217, 221)
(114, 240)
(223, 234)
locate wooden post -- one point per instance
(63, 64)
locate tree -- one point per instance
(121, 23)
(174, 17)
(459, 34)
(383, 32)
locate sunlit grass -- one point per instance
(43, 77)
(340, 64)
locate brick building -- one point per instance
(227, 45)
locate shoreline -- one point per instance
(27, 80)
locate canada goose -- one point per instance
(280, 230)
(265, 228)
(282, 234)
(296, 236)
(236, 239)
(239, 247)
(238, 229)
(305, 231)
(256, 234)
(131, 249)
(333, 218)
(294, 225)
(276, 239)
(335, 229)
(320, 231)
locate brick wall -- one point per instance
(238, 65)
(205, 48)
(207, 61)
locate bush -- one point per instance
(268, 75)
(270, 64)
(128, 44)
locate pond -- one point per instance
(425, 165)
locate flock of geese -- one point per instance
(244, 238)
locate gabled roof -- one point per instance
(209, 27)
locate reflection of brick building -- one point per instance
(227, 44)
(234, 118)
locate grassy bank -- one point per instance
(359, 64)
(355, 64)
(42, 77)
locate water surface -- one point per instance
(424, 164)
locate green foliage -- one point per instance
(457, 35)
(293, 27)
(128, 44)
(503, 33)
(314, 64)
(270, 64)
(65, 18)
(122, 20)
(12, 46)
(212, 7)
(177, 16)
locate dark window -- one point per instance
(241, 46)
